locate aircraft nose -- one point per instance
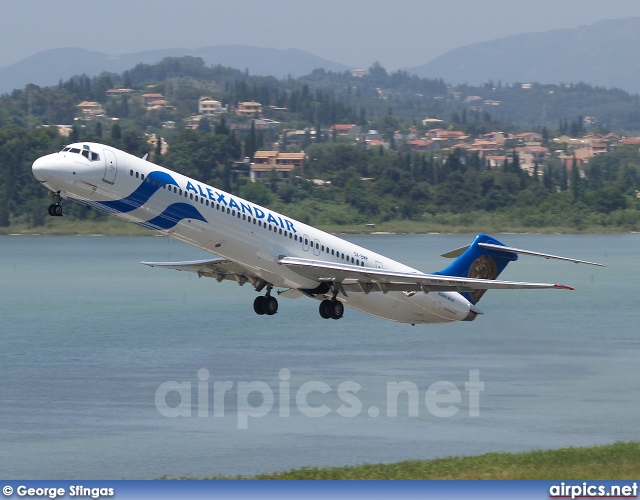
(42, 168)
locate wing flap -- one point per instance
(220, 269)
(368, 279)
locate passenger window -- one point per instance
(180, 192)
(137, 175)
(280, 231)
(142, 176)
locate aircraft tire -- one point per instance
(270, 306)
(325, 309)
(55, 210)
(337, 309)
(258, 305)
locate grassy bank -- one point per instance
(60, 226)
(614, 462)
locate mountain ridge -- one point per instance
(599, 54)
(48, 67)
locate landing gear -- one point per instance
(266, 304)
(55, 209)
(333, 309)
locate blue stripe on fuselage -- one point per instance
(142, 194)
(174, 214)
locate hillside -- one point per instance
(607, 462)
(49, 67)
(600, 54)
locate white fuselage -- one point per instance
(226, 225)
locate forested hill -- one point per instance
(344, 183)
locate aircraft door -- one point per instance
(316, 247)
(110, 167)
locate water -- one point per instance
(89, 335)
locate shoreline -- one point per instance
(98, 231)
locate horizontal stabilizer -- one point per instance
(502, 248)
(455, 253)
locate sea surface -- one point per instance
(97, 351)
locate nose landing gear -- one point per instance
(55, 209)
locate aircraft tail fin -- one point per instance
(486, 258)
(478, 261)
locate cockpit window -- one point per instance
(85, 151)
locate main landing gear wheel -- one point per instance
(55, 210)
(333, 309)
(258, 305)
(265, 304)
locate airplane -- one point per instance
(253, 244)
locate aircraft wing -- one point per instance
(366, 279)
(220, 269)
